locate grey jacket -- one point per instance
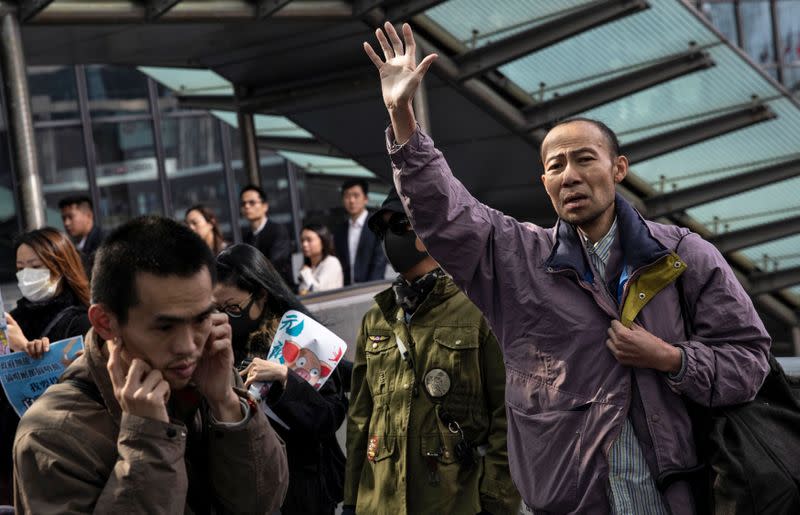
(566, 395)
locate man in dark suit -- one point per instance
(359, 250)
(77, 213)
(270, 238)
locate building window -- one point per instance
(127, 171)
(54, 95)
(116, 90)
(723, 16)
(757, 31)
(789, 45)
(62, 167)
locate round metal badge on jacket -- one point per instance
(437, 383)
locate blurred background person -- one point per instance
(360, 252)
(271, 238)
(55, 298)
(203, 222)
(77, 214)
(321, 269)
(255, 298)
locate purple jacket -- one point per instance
(566, 395)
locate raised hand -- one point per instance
(400, 76)
(139, 389)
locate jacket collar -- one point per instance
(96, 362)
(443, 290)
(638, 245)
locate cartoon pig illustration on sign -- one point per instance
(305, 363)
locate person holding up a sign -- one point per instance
(148, 420)
(55, 297)
(255, 298)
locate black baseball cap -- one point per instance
(392, 204)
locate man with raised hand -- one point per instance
(150, 419)
(588, 313)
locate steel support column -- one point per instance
(676, 201)
(598, 94)
(247, 133)
(664, 143)
(230, 180)
(750, 236)
(20, 124)
(158, 141)
(774, 281)
(88, 138)
(421, 108)
(482, 59)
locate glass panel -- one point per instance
(789, 31)
(274, 181)
(54, 95)
(127, 172)
(194, 166)
(321, 197)
(791, 77)
(723, 16)
(115, 90)
(62, 166)
(757, 31)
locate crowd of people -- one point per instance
(508, 366)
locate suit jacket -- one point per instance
(370, 262)
(273, 242)
(93, 241)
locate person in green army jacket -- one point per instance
(426, 429)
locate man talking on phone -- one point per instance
(150, 419)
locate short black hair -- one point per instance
(149, 244)
(350, 183)
(610, 135)
(252, 187)
(76, 200)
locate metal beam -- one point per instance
(186, 11)
(20, 123)
(266, 8)
(774, 281)
(482, 59)
(208, 102)
(394, 11)
(155, 9)
(304, 145)
(675, 201)
(30, 8)
(598, 94)
(750, 236)
(709, 128)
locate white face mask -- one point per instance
(35, 284)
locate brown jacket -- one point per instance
(74, 454)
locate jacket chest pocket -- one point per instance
(454, 355)
(383, 360)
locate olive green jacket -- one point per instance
(401, 457)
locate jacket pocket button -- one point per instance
(374, 345)
(678, 264)
(642, 296)
(655, 418)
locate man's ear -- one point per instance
(621, 170)
(103, 321)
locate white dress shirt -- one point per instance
(354, 228)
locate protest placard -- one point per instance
(25, 379)
(306, 347)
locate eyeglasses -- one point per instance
(398, 223)
(246, 203)
(236, 310)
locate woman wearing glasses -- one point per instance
(255, 298)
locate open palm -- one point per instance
(399, 72)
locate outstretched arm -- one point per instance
(400, 77)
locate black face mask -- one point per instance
(241, 328)
(401, 250)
